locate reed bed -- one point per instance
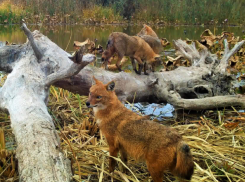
(217, 141)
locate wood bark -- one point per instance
(32, 68)
(204, 81)
(204, 85)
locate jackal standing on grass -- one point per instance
(161, 147)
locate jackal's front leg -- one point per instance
(124, 159)
(112, 162)
(153, 66)
(141, 65)
(133, 64)
(145, 68)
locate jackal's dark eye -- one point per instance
(98, 97)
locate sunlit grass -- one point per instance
(10, 13)
(101, 14)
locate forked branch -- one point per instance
(187, 51)
(29, 35)
(227, 55)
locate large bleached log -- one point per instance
(203, 79)
(24, 95)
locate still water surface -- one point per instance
(64, 36)
(61, 34)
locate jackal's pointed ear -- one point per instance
(95, 81)
(110, 86)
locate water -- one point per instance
(66, 34)
(61, 34)
(159, 111)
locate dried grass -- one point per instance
(217, 141)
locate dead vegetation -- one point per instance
(216, 137)
(217, 140)
(214, 44)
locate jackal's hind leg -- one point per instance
(106, 65)
(118, 64)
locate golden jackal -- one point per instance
(161, 147)
(132, 46)
(151, 38)
(146, 30)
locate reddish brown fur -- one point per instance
(151, 38)
(132, 46)
(146, 30)
(154, 43)
(161, 147)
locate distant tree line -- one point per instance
(170, 11)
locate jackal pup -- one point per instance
(161, 147)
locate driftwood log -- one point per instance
(204, 85)
(33, 67)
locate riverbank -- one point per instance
(130, 24)
(72, 12)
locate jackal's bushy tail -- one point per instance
(184, 165)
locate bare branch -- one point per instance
(226, 45)
(203, 55)
(206, 103)
(29, 35)
(227, 55)
(73, 69)
(187, 51)
(2, 103)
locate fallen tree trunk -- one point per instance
(206, 78)
(33, 68)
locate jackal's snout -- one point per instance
(88, 104)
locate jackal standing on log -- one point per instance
(132, 46)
